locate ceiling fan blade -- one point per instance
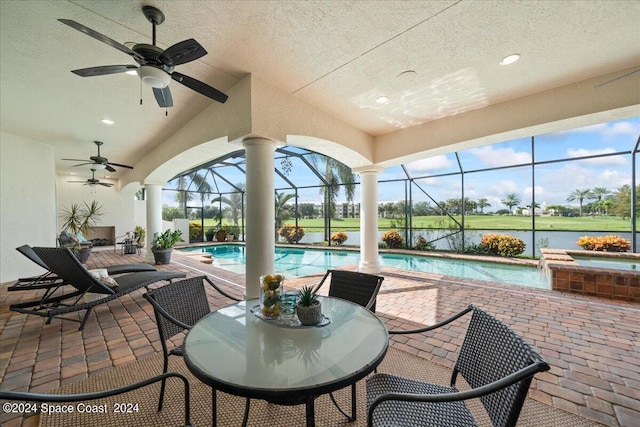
(82, 164)
(104, 184)
(200, 87)
(103, 70)
(163, 96)
(76, 160)
(101, 37)
(181, 53)
(119, 165)
(109, 168)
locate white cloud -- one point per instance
(429, 164)
(609, 130)
(603, 161)
(493, 157)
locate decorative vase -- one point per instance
(310, 315)
(271, 288)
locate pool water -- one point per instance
(614, 264)
(293, 262)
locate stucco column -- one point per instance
(154, 216)
(260, 218)
(369, 219)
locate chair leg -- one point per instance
(84, 319)
(163, 383)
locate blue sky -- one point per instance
(553, 182)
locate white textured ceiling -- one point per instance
(338, 56)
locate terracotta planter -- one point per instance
(311, 315)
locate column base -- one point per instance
(369, 267)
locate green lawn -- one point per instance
(478, 222)
(488, 222)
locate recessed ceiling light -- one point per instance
(132, 72)
(510, 59)
(382, 100)
(107, 121)
(72, 173)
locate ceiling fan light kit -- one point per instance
(154, 77)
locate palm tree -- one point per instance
(599, 193)
(511, 200)
(336, 175)
(579, 195)
(483, 203)
(283, 211)
(200, 184)
(234, 201)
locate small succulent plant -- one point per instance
(306, 296)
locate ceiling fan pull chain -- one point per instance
(140, 92)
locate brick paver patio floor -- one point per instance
(592, 345)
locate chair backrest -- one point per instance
(185, 300)
(354, 286)
(27, 251)
(491, 351)
(65, 265)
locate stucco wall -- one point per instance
(27, 202)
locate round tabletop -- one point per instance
(234, 351)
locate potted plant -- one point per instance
(308, 308)
(232, 231)
(162, 245)
(142, 233)
(76, 220)
(221, 233)
(210, 233)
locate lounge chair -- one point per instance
(496, 363)
(65, 265)
(51, 282)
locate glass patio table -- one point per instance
(234, 351)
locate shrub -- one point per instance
(423, 245)
(604, 243)
(195, 230)
(392, 239)
(291, 233)
(340, 237)
(503, 245)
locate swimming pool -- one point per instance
(615, 264)
(294, 262)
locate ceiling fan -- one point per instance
(156, 65)
(93, 181)
(99, 162)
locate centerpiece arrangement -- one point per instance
(309, 308)
(271, 288)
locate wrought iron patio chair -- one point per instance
(22, 396)
(496, 363)
(63, 263)
(177, 307)
(360, 288)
